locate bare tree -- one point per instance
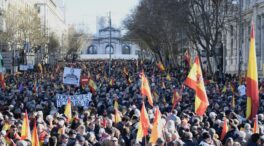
(22, 24)
(75, 41)
(157, 24)
(207, 21)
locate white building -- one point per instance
(52, 18)
(251, 10)
(99, 46)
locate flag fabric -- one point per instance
(68, 111)
(111, 82)
(252, 80)
(256, 127)
(92, 86)
(116, 105)
(224, 89)
(195, 81)
(168, 77)
(145, 89)
(232, 87)
(224, 129)
(175, 98)
(233, 101)
(117, 116)
(144, 124)
(25, 132)
(2, 79)
(40, 68)
(125, 70)
(155, 96)
(35, 138)
(157, 128)
(160, 66)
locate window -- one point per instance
(126, 49)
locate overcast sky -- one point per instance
(83, 13)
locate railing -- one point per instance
(106, 56)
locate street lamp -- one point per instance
(240, 59)
(110, 42)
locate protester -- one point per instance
(119, 94)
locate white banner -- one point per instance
(76, 100)
(71, 76)
(23, 67)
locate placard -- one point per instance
(76, 100)
(71, 76)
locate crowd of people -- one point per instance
(35, 92)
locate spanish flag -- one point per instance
(125, 70)
(161, 66)
(175, 98)
(145, 89)
(2, 79)
(117, 116)
(157, 128)
(35, 138)
(195, 81)
(111, 82)
(92, 86)
(25, 132)
(68, 111)
(168, 77)
(252, 91)
(40, 68)
(116, 105)
(232, 87)
(256, 127)
(224, 129)
(233, 101)
(144, 124)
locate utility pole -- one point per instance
(240, 59)
(110, 46)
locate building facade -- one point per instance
(99, 47)
(252, 10)
(52, 16)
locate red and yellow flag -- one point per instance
(145, 89)
(256, 127)
(2, 79)
(117, 116)
(144, 124)
(111, 82)
(195, 81)
(25, 132)
(157, 128)
(168, 77)
(161, 66)
(224, 129)
(252, 80)
(92, 86)
(175, 98)
(68, 111)
(35, 138)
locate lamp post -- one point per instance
(110, 46)
(240, 59)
